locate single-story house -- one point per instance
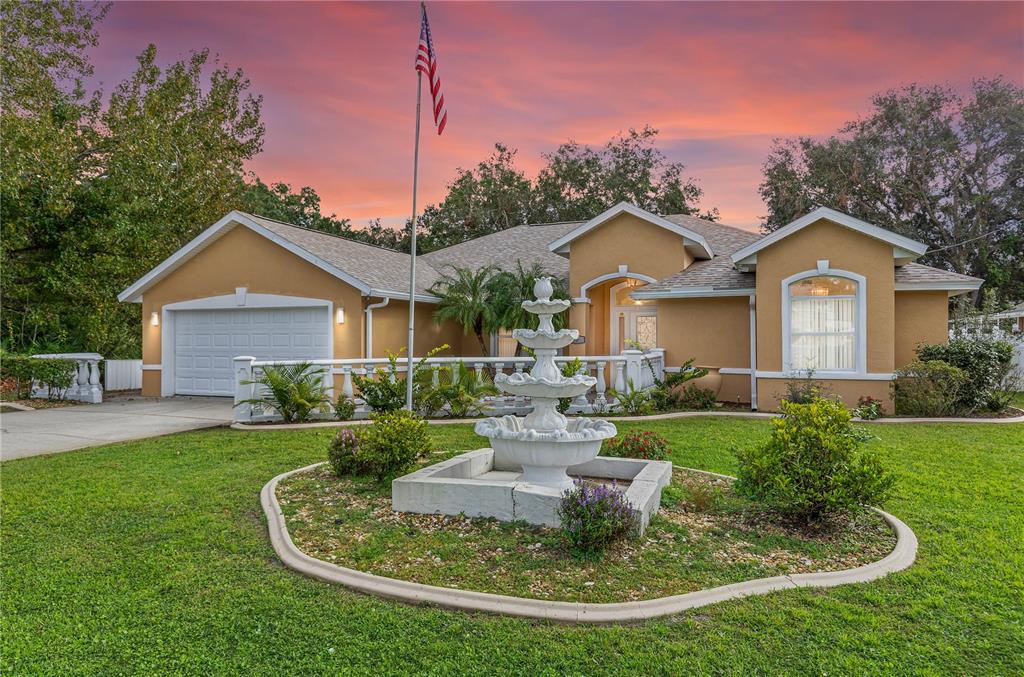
(827, 292)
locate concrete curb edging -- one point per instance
(901, 557)
(252, 427)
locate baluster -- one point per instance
(83, 380)
(346, 382)
(519, 400)
(620, 377)
(95, 389)
(599, 399)
(435, 375)
(500, 398)
(478, 367)
(579, 404)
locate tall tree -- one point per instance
(580, 182)
(95, 192)
(492, 196)
(925, 163)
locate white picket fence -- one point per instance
(122, 374)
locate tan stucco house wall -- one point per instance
(903, 306)
(921, 317)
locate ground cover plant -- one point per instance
(704, 536)
(152, 557)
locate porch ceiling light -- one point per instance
(154, 318)
(339, 315)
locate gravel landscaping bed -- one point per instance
(703, 537)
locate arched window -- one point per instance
(823, 322)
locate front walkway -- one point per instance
(46, 431)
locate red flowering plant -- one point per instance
(643, 444)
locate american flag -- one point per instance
(426, 62)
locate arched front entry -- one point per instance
(606, 315)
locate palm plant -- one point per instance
(467, 298)
(294, 391)
(511, 288)
(460, 391)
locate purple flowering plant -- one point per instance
(594, 516)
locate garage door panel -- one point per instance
(207, 341)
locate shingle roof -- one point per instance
(381, 269)
(715, 273)
(528, 244)
(387, 270)
(917, 272)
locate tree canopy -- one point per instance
(927, 163)
(97, 190)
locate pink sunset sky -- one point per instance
(719, 80)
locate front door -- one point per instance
(632, 322)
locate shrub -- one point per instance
(344, 408)
(594, 516)
(392, 443)
(638, 444)
(569, 369)
(695, 397)
(811, 469)
(986, 361)
(805, 389)
(387, 391)
(666, 393)
(868, 408)
(928, 389)
(633, 402)
(343, 453)
(56, 375)
(294, 391)
(460, 392)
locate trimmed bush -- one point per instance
(932, 388)
(593, 517)
(344, 408)
(343, 452)
(985, 360)
(391, 444)
(811, 469)
(638, 444)
(56, 375)
(695, 397)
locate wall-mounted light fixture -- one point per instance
(339, 315)
(154, 318)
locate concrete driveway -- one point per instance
(46, 431)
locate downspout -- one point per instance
(753, 352)
(369, 325)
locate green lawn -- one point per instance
(151, 557)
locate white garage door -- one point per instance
(206, 342)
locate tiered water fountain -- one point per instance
(533, 458)
(545, 442)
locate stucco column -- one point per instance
(579, 316)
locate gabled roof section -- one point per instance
(526, 244)
(692, 240)
(904, 249)
(374, 271)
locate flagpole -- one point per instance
(412, 250)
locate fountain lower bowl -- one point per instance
(545, 455)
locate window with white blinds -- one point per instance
(823, 324)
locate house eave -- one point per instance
(693, 241)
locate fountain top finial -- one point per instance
(543, 289)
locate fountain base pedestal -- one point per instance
(478, 484)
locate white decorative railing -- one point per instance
(633, 369)
(85, 382)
